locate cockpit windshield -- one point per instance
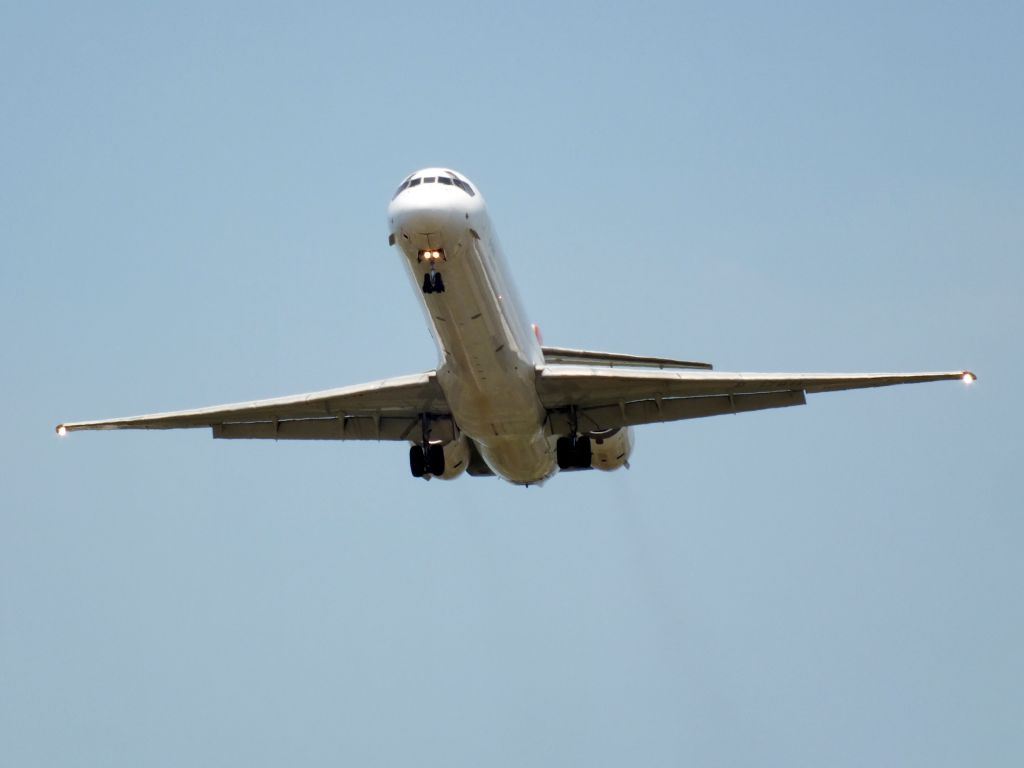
(452, 181)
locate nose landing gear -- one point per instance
(432, 282)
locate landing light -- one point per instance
(969, 377)
(62, 430)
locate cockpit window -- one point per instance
(453, 180)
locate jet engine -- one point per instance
(611, 449)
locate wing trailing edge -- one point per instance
(566, 356)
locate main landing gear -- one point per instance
(573, 452)
(426, 458)
(433, 283)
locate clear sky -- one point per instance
(192, 211)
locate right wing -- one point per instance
(604, 398)
(390, 409)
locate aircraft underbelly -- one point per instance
(486, 372)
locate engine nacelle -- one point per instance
(456, 458)
(610, 450)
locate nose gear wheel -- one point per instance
(433, 282)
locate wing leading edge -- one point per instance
(602, 398)
(389, 409)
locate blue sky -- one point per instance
(192, 211)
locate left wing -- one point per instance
(390, 409)
(604, 398)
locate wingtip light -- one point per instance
(969, 378)
(61, 430)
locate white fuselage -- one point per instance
(488, 351)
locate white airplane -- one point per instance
(499, 402)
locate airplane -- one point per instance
(500, 402)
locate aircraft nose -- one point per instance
(422, 218)
(422, 215)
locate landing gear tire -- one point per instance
(573, 453)
(417, 461)
(563, 450)
(433, 283)
(426, 460)
(583, 453)
(435, 460)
